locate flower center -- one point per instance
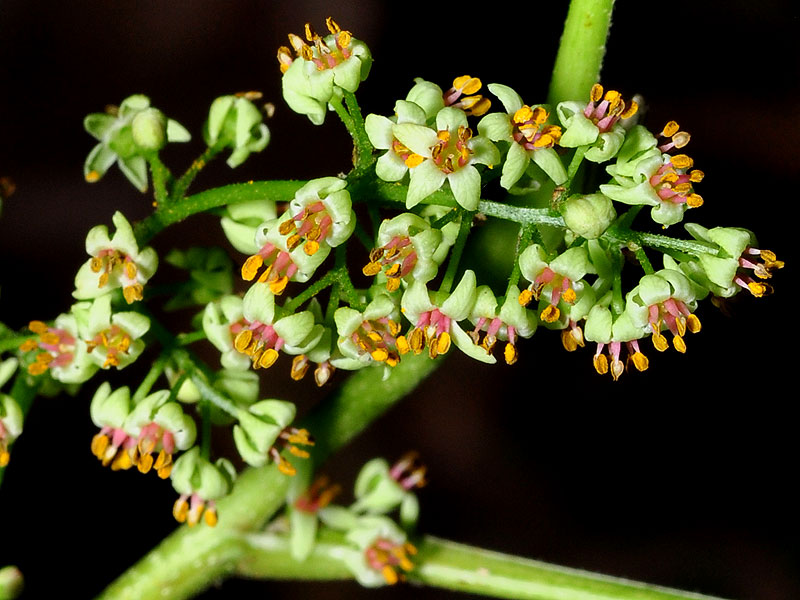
(311, 224)
(397, 259)
(530, 131)
(451, 152)
(605, 110)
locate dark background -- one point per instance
(683, 476)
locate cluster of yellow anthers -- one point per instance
(105, 263)
(114, 341)
(325, 57)
(606, 109)
(130, 454)
(386, 556)
(667, 181)
(530, 124)
(290, 438)
(57, 347)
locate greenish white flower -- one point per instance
(126, 135)
(529, 136)
(241, 220)
(381, 488)
(61, 348)
(449, 153)
(368, 337)
(380, 551)
(321, 68)
(235, 122)
(506, 322)
(393, 164)
(200, 483)
(116, 262)
(114, 339)
(608, 330)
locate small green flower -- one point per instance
(200, 483)
(114, 339)
(393, 164)
(449, 153)
(235, 122)
(264, 430)
(408, 249)
(61, 347)
(109, 410)
(121, 142)
(381, 551)
(596, 124)
(369, 337)
(241, 220)
(510, 321)
(381, 488)
(306, 504)
(530, 139)
(115, 262)
(321, 69)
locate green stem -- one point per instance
(170, 571)
(180, 187)
(14, 342)
(457, 251)
(524, 240)
(581, 51)
(161, 176)
(363, 147)
(325, 281)
(445, 564)
(152, 376)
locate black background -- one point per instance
(683, 476)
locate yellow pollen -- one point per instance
(392, 283)
(443, 135)
(163, 460)
(770, 256)
(100, 443)
(670, 129)
(145, 463)
(525, 297)
(311, 35)
(480, 107)
(332, 25)
(287, 227)
(380, 355)
(242, 340)
(696, 176)
(180, 510)
(132, 293)
(693, 323)
(37, 368)
(523, 114)
(285, 467)
(669, 177)
(467, 84)
(600, 363)
(311, 247)
(550, 314)
(682, 188)
(694, 200)
(630, 111)
(544, 141)
(130, 269)
(681, 323)
(510, 353)
(277, 286)
(122, 461)
(211, 517)
(596, 93)
(402, 345)
(268, 358)
(251, 267)
(298, 452)
(443, 343)
(757, 288)
(679, 344)
(49, 338)
(640, 361)
(414, 160)
(343, 39)
(293, 241)
(28, 345)
(681, 161)
(5, 457)
(569, 296)
(92, 176)
(568, 340)
(299, 367)
(371, 269)
(417, 341)
(37, 327)
(102, 280)
(660, 342)
(96, 264)
(389, 574)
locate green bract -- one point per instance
(119, 143)
(235, 122)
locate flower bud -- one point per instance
(149, 129)
(588, 216)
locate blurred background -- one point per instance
(683, 476)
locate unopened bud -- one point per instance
(588, 216)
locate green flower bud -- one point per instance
(200, 483)
(588, 216)
(149, 129)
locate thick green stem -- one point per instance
(182, 184)
(581, 51)
(444, 564)
(191, 559)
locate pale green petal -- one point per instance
(510, 99)
(177, 132)
(417, 138)
(549, 161)
(464, 343)
(496, 127)
(390, 167)
(451, 119)
(379, 131)
(517, 161)
(466, 186)
(460, 303)
(426, 179)
(642, 193)
(259, 304)
(295, 328)
(135, 169)
(668, 213)
(136, 324)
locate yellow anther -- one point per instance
(568, 340)
(681, 161)
(669, 177)
(164, 472)
(757, 288)
(682, 188)
(569, 296)
(343, 39)
(242, 340)
(28, 345)
(180, 510)
(307, 54)
(544, 141)
(540, 115)
(402, 345)
(596, 93)
(414, 160)
(193, 518)
(37, 327)
(278, 285)
(394, 327)
(694, 200)
(268, 358)
(132, 293)
(681, 325)
(693, 323)
(102, 280)
(467, 84)
(443, 343)
(600, 363)
(298, 452)
(36, 368)
(443, 135)
(640, 361)
(525, 297)
(476, 106)
(380, 355)
(510, 353)
(523, 114)
(550, 314)
(100, 443)
(210, 517)
(145, 463)
(630, 110)
(679, 344)
(393, 271)
(122, 461)
(287, 227)
(285, 467)
(5, 457)
(392, 284)
(96, 264)
(389, 575)
(371, 269)
(130, 269)
(251, 267)
(417, 341)
(393, 360)
(374, 336)
(49, 338)
(770, 256)
(670, 129)
(163, 460)
(696, 176)
(44, 358)
(311, 35)
(332, 25)
(660, 342)
(92, 176)
(311, 247)
(284, 58)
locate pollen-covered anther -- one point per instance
(319, 495)
(386, 556)
(604, 110)
(464, 95)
